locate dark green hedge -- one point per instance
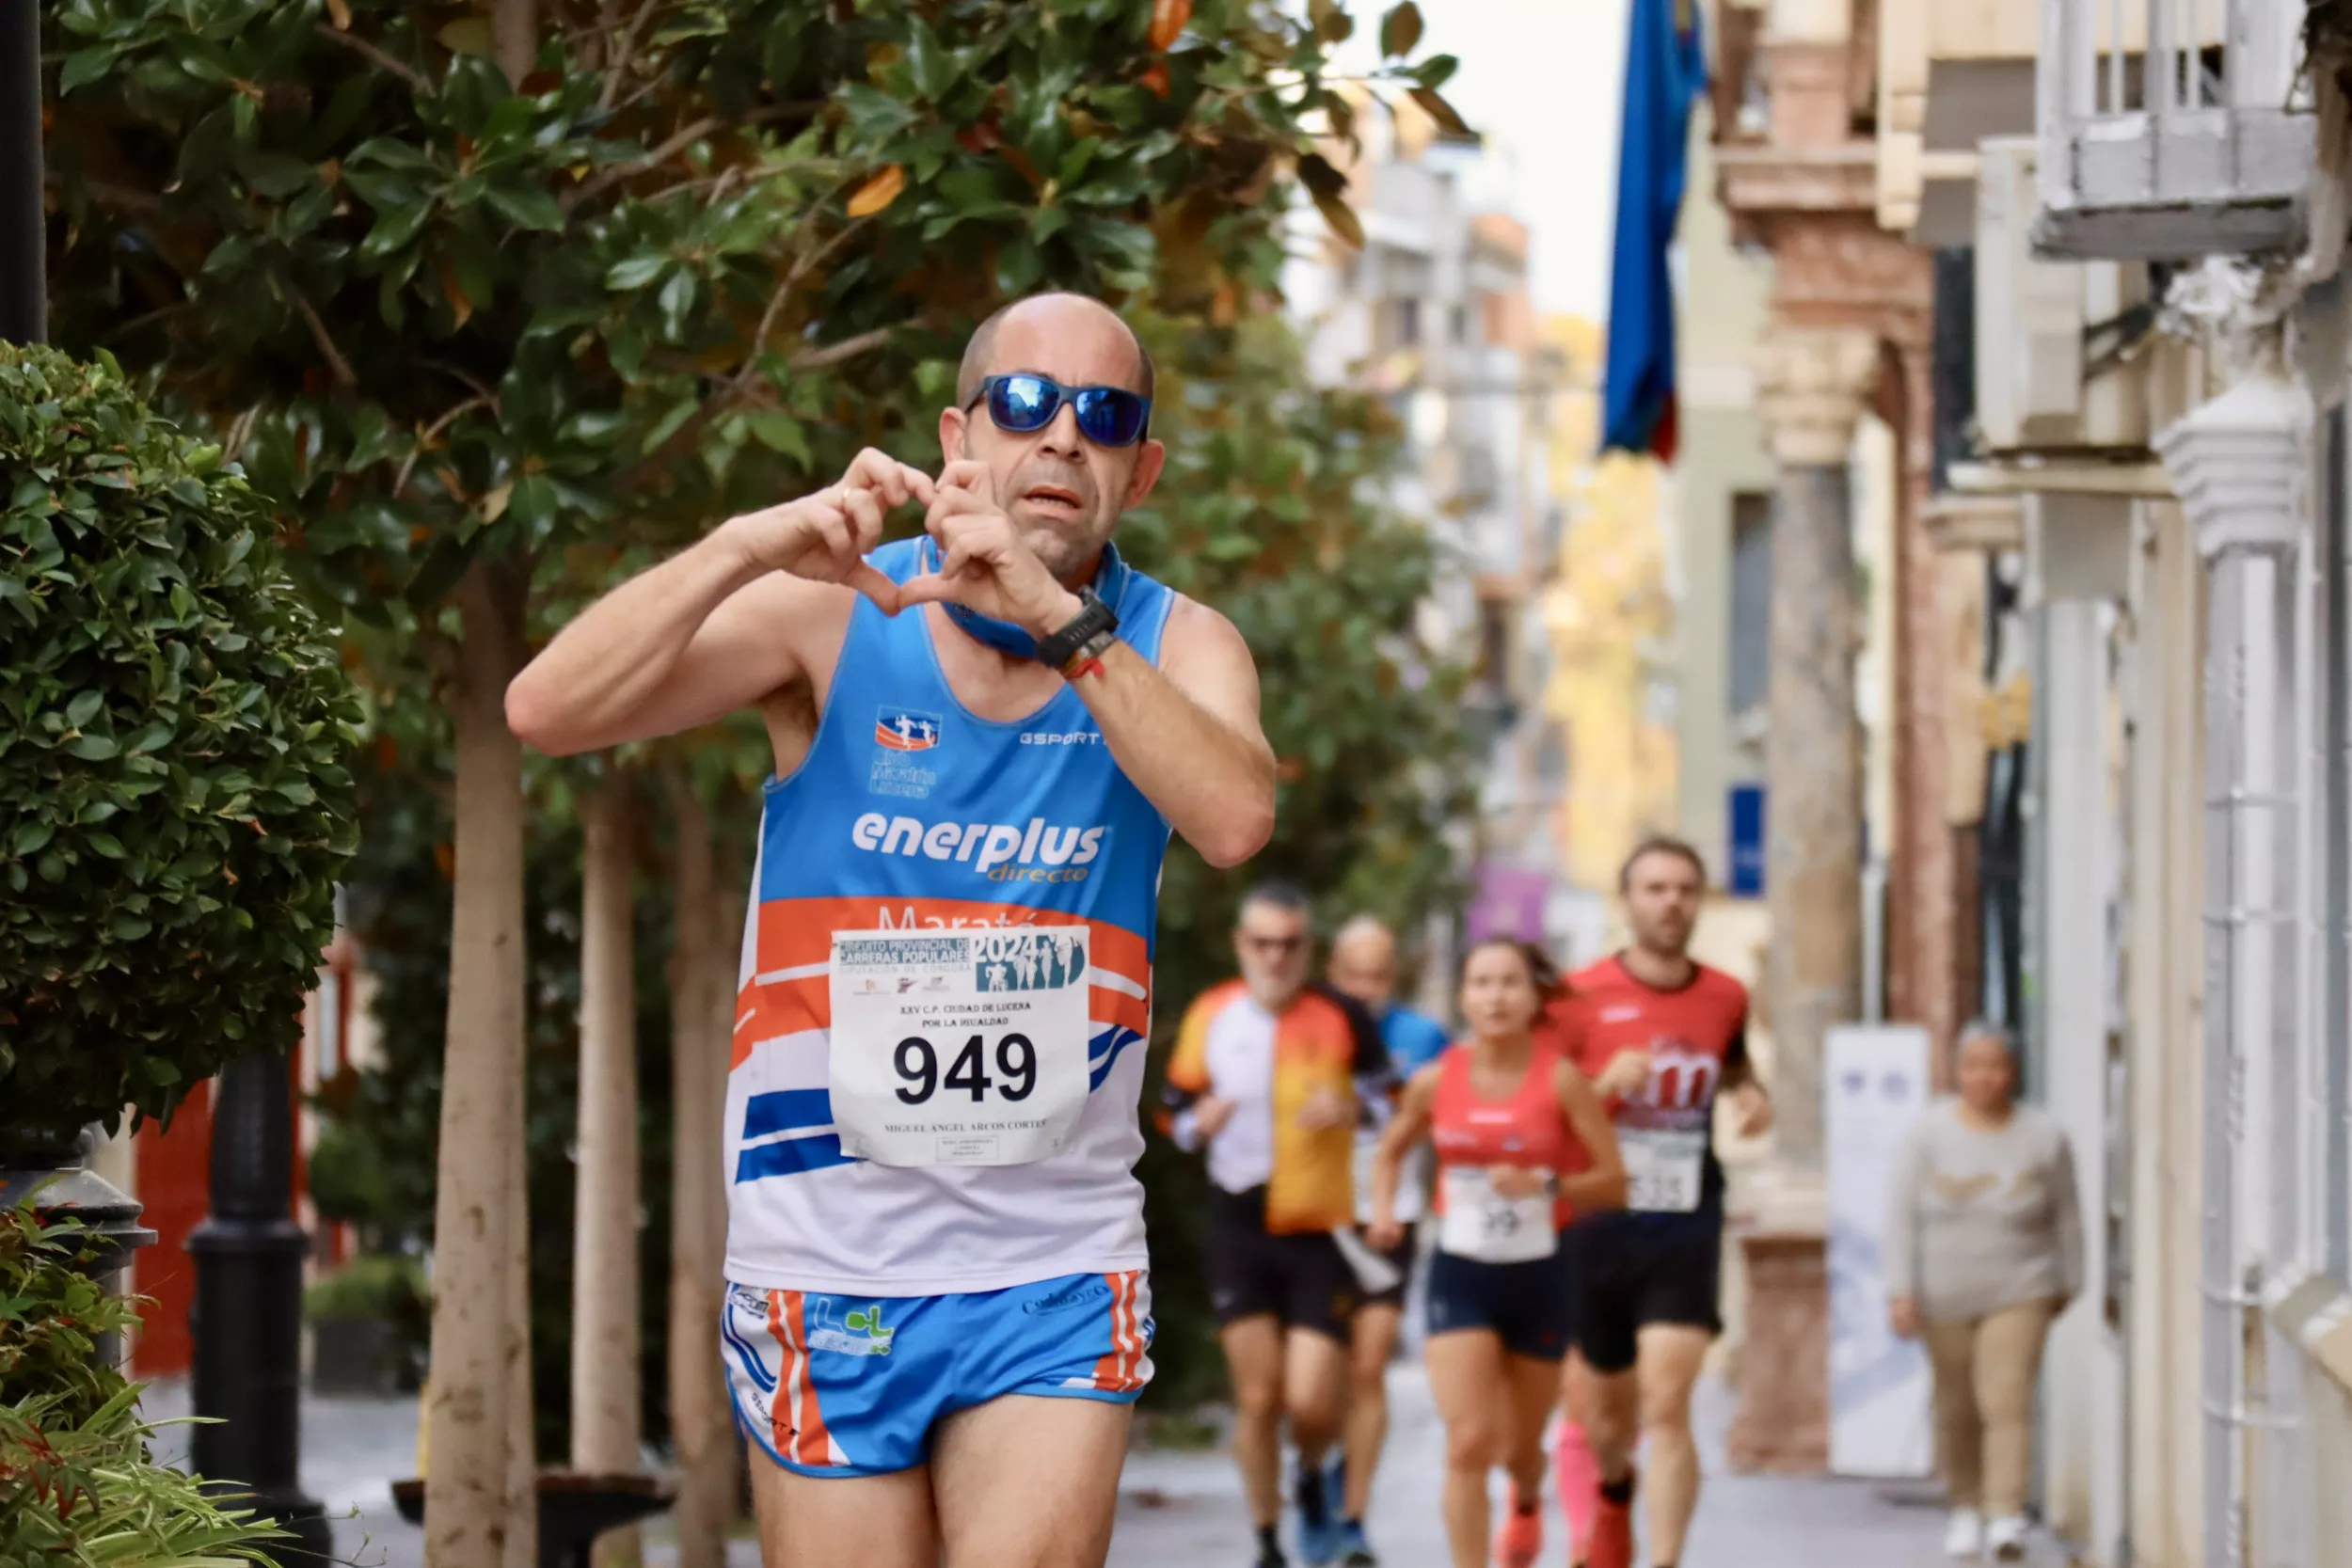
(174, 725)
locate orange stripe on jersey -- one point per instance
(795, 945)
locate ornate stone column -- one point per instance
(2240, 463)
(1813, 384)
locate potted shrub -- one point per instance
(357, 1318)
(174, 801)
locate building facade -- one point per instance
(1434, 313)
(2085, 261)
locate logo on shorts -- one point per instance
(903, 729)
(861, 1333)
(1078, 1292)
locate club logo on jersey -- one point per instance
(1027, 961)
(1000, 851)
(901, 735)
(902, 729)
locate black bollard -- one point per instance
(247, 1321)
(23, 294)
(57, 1169)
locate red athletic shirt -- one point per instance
(1695, 1034)
(1527, 1129)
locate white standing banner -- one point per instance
(1875, 1082)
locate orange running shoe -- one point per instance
(1611, 1542)
(1520, 1539)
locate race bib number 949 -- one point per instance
(958, 1048)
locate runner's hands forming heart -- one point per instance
(825, 536)
(985, 565)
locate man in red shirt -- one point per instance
(1659, 1035)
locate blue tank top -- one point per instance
(910, 810)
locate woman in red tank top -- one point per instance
(1522, 1143)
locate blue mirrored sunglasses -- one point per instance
(1107, 416)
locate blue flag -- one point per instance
(1665, 70)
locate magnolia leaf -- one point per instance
(1400, 30)
(494, 502)
(1168, 18)
(1343, 220)
(636, 272)
(467, 36)
(878, 192)
(1437, 70)
(1448, 118)
(1321, 179)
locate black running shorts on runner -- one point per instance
(1400, 1257)
(1531, 1306)
(1303, 1280)
(1635, 1269)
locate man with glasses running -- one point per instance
(1364, 966)
(983, 737)
(1271, 1076)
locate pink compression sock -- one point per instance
(1580, 1483)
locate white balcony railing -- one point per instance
(2171, 128)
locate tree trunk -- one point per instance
(480, 1382)
(606, 1429)
(702, 997)
(1813, 754)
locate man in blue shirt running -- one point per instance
(1364, 966)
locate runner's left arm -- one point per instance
(1602, 1186)
(1751, 1102)
(1186, 732)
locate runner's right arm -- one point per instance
(1408, 1126)
(704, 633)
(1189, 1113)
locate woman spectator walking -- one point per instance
(1984, 1247)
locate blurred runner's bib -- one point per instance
(1488, 1227)
(958, 1047)
(1663, 1170)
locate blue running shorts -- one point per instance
(831, 1384)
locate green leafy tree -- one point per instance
(467, 292)
(1275, 510)
(173, 732)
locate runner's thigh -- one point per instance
(1028, 1482)
(818, 1522)
(1668, 1367)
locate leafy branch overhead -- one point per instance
(704, 252)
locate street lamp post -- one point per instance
(24, 294)
(248, 1251)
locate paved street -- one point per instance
(1183, 1510)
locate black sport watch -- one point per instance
(1095, 619)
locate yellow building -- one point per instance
(1610, 620)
